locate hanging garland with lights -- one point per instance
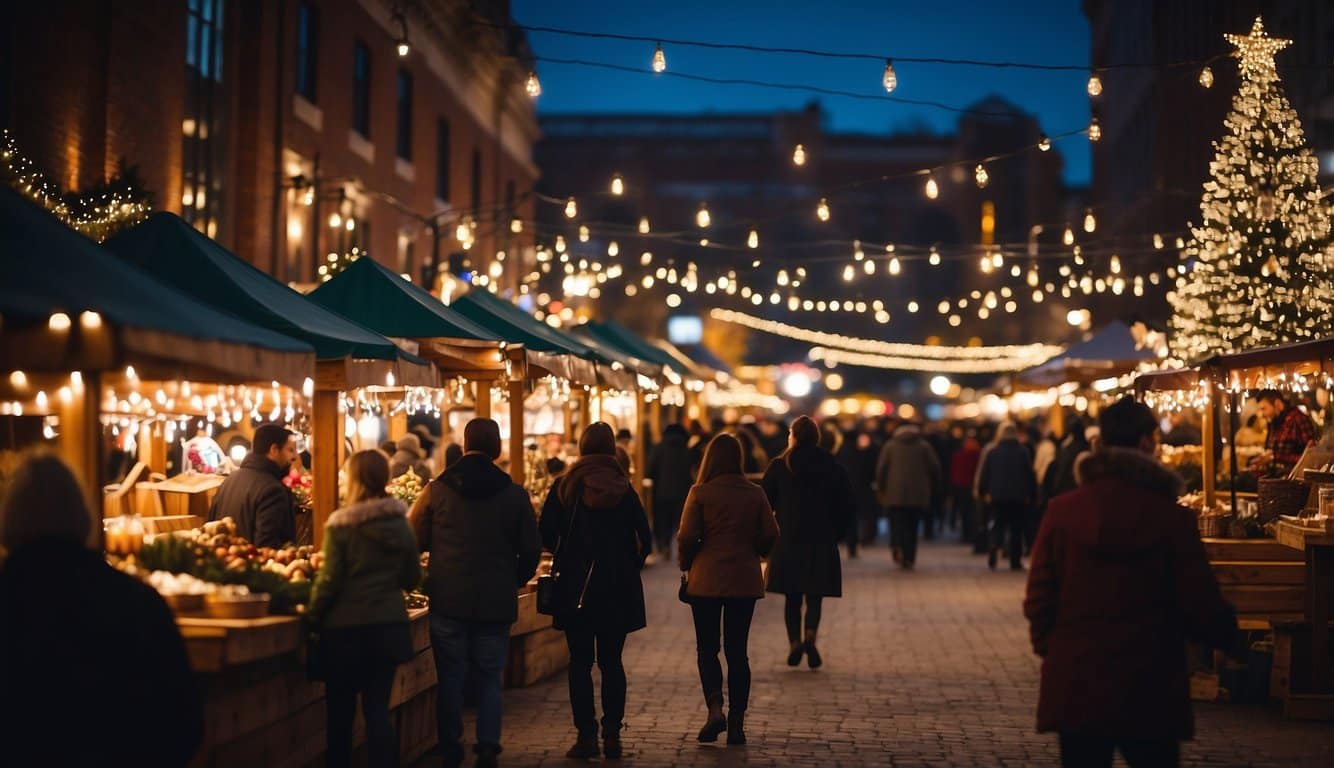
(1256, 272)
(97, 212)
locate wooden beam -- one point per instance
(80, 443)
(482, 398)
(517, 466)
(326, 445)
(1210, 468)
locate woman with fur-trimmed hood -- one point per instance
(1118, 583)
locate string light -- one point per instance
(1207, 77)
(516, 225)
(617, 185)
(532, 85)
(560, 244)
(753, 239)
(934, 258)
(822, 210)
(702, 218)
(890, 80)
(1068, 237)
(980, 176)
(659, 60)
(643, 225)
(799, 156)
(1095, 85)
(1090, 223)
(1095, 130)
(894, 267)
(613, 250)
(1157, 241)
(1044, 144)
(583, 233)
(571, 208)
(932, 190)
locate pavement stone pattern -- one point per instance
(924, 668)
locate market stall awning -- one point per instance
(618, 336)
(1111, 351)
(694, 368)
(1169, 380)
(141, 321)
(186, 259)
(622, 361)
(1245, 369)
(569, 358)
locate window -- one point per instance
(361, 90)
(307, 50)
(442, 159)
(476, 199)
(405, 114)
(202, 145)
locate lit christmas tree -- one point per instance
(1255, 272)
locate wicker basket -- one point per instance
(1214, 526)
(1281, 496)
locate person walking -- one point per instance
(812, 499)
(1005, 482)
(726, 527)
(907, 476)
(963, 470)
(409, 456)
(1119, 583)
(480, 531)
(595, 525)
(669, 467)
(357, 609)
(254, 495)
(73, 629)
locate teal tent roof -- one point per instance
(617, 335)
(376, 297)
(183, 257)
(518, 326)
(49, 268)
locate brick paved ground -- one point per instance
(928, 668)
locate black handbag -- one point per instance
(546, 583)
(682, 594)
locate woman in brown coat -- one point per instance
(726, 527)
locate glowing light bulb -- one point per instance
(932, 189)
(934, 258)
(516, 225)
(532, 85)
(613, 249)
(583, 233)
(1157, 241)
(659, 60)
(822, 210)
(1095, 130)
(560, 244)
(1090, 223)
(849, 273)
(890, 80)
(799, 155)
(335, 220)
(894, 266)
(912, 307)
(1115, 264)
(59, 321)
(868, 267)
(1069, 237)
(857, 253)
(643, 225)
(350, 224)
(1207, 77)
(980, 175)
(646, 258)
(702, 218)
(1044, 144)
(1095, 85)
(571, 208)
(997, 260)
(753, 239)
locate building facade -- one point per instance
(292, 131)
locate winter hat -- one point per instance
(412, 444)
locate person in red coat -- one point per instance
(1118, 584)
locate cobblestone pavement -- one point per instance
(923, 668)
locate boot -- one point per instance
(584, 749)
(736, 722)
(812, 654)
(611, 747)
(794, 653)
(486, 755)
(716, 723)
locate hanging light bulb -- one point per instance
(1032, 278)
(934, 258)
(702, 218)
(894, 266)
(1095, 130)
(617, 185)
(1090, 223)
(997, 260)
(571, 208)
(1095, 85)
(335, 220)
(822, 210)
(659, 60)
(401, 39)
(1069, 237)
(613, 249)
(1157, 241)
(516, 225)
(1207, 77)
(643, 225)
(753, 239)
(583, 233)
(932, 189)
(532, 85)
(1044, 143)
(560, 244)
(646, 258)
(849, 273)
(857, 253)
(980, 175)
(868, 267)
(890, 80)
(799, 155)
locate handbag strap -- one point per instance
(569, 530)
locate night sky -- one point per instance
(1034, 31)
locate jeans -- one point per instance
(1080, 751)
(1011, 518)
(735, 614)
(903, 531)
(461, 647)
(588, 644)
(792, 615)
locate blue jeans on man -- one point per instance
(461, 647)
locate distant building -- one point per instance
(258, 120)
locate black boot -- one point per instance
(716, 723)
(812, 654)
(736, 727)
(611, 747)
(794, 653)
(585, 748)
(486, 755)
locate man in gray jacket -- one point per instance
(481, 531)
(907, 477)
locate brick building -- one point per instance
(259, 120)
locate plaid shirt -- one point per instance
(1289, 435)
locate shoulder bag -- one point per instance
(546, 583)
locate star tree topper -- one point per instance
(1257, 50)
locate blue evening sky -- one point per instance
(1051, 32)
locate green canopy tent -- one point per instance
(579, 361)
(68, 306)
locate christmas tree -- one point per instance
(1255, 271)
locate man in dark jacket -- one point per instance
(907, 479)
(1006, 482)
(1119, 583)
(254, 495)
(481, 532)
(669, 468)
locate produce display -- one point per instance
(406, 487)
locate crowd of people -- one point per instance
(1096, 511)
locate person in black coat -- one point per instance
(595, 525)
(812, 498)
(669, 467)
(254, 495)
(88, 656)
(1006, 482)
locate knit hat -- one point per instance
(412, 444)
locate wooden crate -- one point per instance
(536, 656)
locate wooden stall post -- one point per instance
(1209, 462)
(81, 440)
(655, 420)
(325, 448)
(153, 447)
(482, 398)
(641, 404)
(585, 410)
(516, 393)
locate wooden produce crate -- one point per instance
(1263, 579)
